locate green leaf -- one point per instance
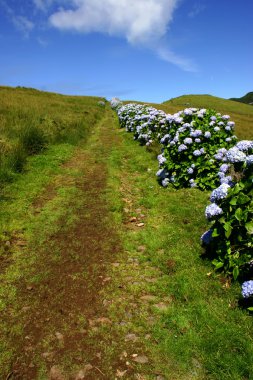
(242, 199)
(236, 272)
(217, 264)
(249, 227)
(250, 308)
(233, 201)
(239, 214)
(215, 233)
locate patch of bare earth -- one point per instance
(63, 310)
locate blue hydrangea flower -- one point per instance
(228, 180)
(216, 129)
(182, 147)
(190, 170)
(165, 182)
(235, 155)
(245, 145)
(196, 133)
(207, 237)
(208, 134)
(188, 140)
(161, 159)
(197, 140)
(212, 211)
(249, 159)
(220, 193)
(213, 118)
(224, 168)
(197, 153)
(247, 289)
(225, 117)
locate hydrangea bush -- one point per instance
(115, 103)
(146, 123)
(194, 143)
(230, 238)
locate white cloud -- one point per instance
(169, 56)
(141, 22)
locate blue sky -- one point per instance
(149, 50)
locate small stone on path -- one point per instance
(131, 338)
(142, 359)
(148, 297)
(56, 374)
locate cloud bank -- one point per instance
(140, 22)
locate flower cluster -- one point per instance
(247, 289)
(231, 211)
(115, 103)
(147, 123)
(196, 141)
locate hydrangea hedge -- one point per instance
(193, 144)
(199, 151)
(146, 123)
(230, 238)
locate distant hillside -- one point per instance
(241, 113)
(247, 99)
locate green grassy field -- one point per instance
(31, 120)
(90, 185)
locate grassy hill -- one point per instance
(32, 120)
(242, 114)
(248, 98)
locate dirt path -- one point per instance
(61, 311)
(86, 306)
